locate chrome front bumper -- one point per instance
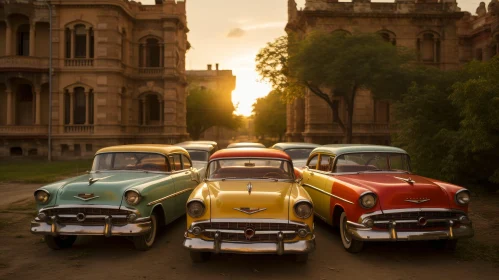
(52, 227)
(279, 248)
(363, 233)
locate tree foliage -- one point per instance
(205, 109)
(449, 123)
(270, 116)
(334, 65)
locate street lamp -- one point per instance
(47, 2)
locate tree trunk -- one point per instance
(350, 107)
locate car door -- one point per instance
(323, 176)
(312, 184)
(183, 183)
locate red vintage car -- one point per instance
(370, 193)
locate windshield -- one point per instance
(298, 154)
(250, 169)
(197, 155)
(130, 161)
(365, 162)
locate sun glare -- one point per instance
(248, 89)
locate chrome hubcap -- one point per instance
(345, 232)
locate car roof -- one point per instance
(339, 149)
(246, 145)
(250, 153)
(197, 146)
(202, 142)
(144, 148)
(294, 145)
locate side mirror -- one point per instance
(298, 181)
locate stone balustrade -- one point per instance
(79, 62)
(24, 130)
(151, 129)
(79, 129)
(24, 62)
(152, 71)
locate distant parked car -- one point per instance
(245, 145)
(200, 153)
(298, 152)
(207, 142)
(370, 193)
(250, 203)
(131, 191)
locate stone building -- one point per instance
(222, 82)
(440, 34)
(118, 75)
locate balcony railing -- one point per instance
(79, 129)
(24, 62)
(153, 129)
(151, 71)
(79, 62)
(24, 130)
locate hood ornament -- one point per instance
(86, 196)
(408, 180)
(417, 200)
(250, 187)
(93, 180)
(250, 211)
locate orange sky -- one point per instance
(231, 32)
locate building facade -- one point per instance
(223, 82)
(118, 75)
(441, 35)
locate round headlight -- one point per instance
(303, 210)
(368, 200)
(463, 197)
(42, 196)
(132, 197)
(195, 209)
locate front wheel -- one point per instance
(350, 244)
(60, 242)
(199, 257)
(145, 242)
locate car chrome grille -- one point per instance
(93, 216)
(436, 220)
(240, 237)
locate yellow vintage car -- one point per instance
(249, 203)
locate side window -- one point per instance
(312, 163)
(175, 162)
(326, 163)
(186, 161)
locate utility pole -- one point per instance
(47, 2)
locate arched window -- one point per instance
(78, 106)
(151, 110)
(429, 48)
(79, 42)
(151, 53)
(388, 37)
(80, 46)
(23, 40)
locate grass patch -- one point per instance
(469, 250)
(41, 172)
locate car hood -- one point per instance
(107, 188)
(395, 193)
(271, 198)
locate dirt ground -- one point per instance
(25, 256)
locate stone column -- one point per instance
(87, 50)
(71, 107)
(87, 108)
(72, 47)
(161, 112)
(162, 55)
(32, 39)
(9, 106)
(8, 40)
(143, 111)
(38, 101)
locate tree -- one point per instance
(270, 116)
(449, 123)
(205, 110)
(334, 65)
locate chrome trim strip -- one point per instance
(55, 229)
(326, 193)
(257, 232)
(250, 212)
(86, 199)
(391, 211)
(275, 221)
(169, 196)
(93, 216)
(95, 206)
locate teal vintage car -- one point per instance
(132, 190)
